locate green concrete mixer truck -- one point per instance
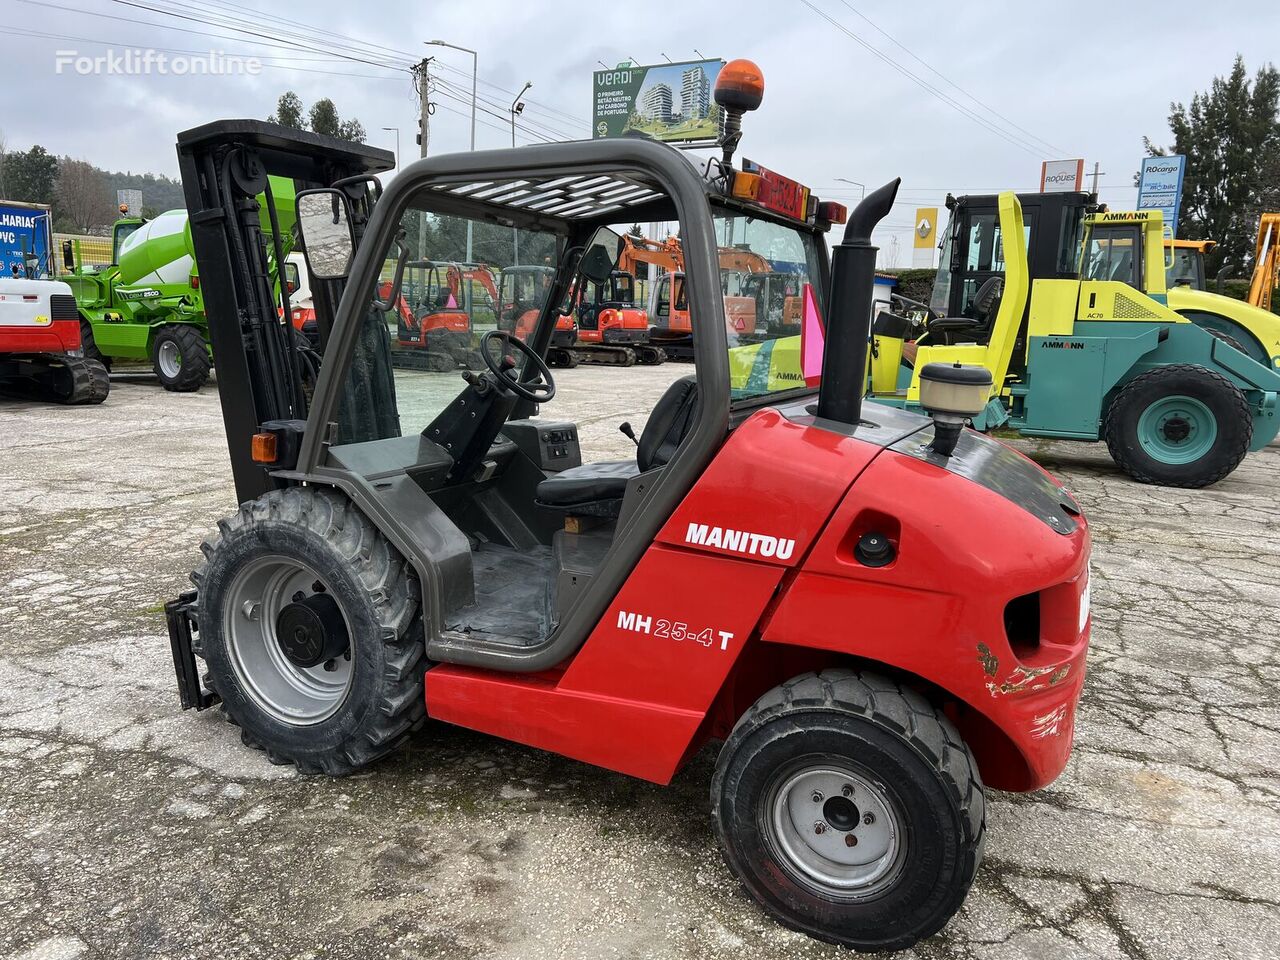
(146, 304)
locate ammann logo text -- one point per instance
(740, 541)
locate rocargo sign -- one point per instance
(1160, 187)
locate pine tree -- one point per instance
(1230, 136)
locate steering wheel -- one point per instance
(535, 391)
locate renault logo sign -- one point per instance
(924, 227)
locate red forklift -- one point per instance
(874, 612)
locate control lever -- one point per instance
(625, 429)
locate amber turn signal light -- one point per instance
(263, 448)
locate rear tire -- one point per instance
(1180, 425)
(90, 345)
(180, 358)
(338, 715)
(898, 799)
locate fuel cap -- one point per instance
(874, 550)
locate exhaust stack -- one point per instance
(853, 269)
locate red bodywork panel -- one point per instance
(57, 336)
(753, 580)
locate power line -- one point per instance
(251, 32)
(947, 79)
(286, 65)
(163, 26)
(1014, 140)
(533, 104)
(501, 111)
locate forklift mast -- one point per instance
(263, 366)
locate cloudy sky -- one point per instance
(959, 97)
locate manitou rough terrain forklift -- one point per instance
(876, 612)
(41, 356)
(1096, 353)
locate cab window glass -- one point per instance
(433, 324)
(773, 263)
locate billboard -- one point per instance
(925, 237)
(1061, 176)
(668, 101)
(24, 239)
(1160, 187)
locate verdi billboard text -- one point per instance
(669, 101)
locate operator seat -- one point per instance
(596, 489)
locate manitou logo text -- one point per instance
(740, 541)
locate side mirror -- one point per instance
(68, 257)
(324, 223)
(601, 255)
(1167, 232)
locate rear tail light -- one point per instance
(195, 283)
(832, 212)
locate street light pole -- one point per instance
(860, 186)
(516, 108)
(475, 76)
(397, 132)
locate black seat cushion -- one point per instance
(668, 423)
(592, 484)
(596, 489)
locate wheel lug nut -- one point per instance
(299, 596)
(817, 796)
(847, 790)
(850, 840)
(819, 828)
(868, 818)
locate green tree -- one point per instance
(30, 177)
(1230, 137)
(288, 111)
(352, 130)
(81, 198)
(324, 118)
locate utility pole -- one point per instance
(475, 76)
(422, 75)
(1096, 174)
(424, 140)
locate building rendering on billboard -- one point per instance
(668, 101)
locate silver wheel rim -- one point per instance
(169, 359)
(299, 696)
(836, 831)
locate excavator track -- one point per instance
(51, 378)
(678, 348)
(563, 357)
(648, 355)
(606, 355)
(432, 361)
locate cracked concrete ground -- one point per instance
(130, 829)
